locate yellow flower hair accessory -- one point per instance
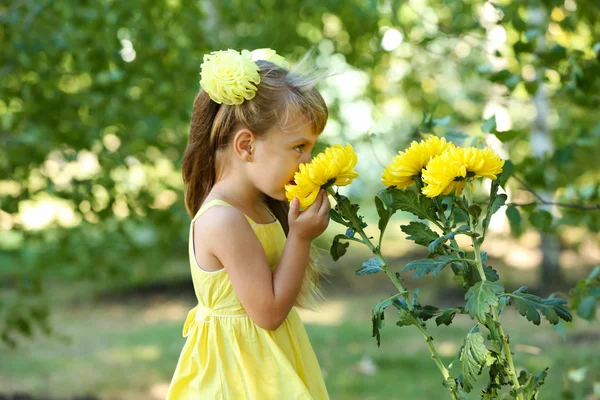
(229, 77)
(333, 166)
(270, 55)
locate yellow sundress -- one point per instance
(226, 356)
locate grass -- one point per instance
(124, 346)
(129, 351)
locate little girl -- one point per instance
(253, 123)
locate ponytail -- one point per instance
(198, 168)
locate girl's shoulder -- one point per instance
(217, 227)
(215, 213)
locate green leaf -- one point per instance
(378, 318)
(344, 203)
(489, 126)
(370, 267)
(587, 308)
(450, 383)
(337, 217)
(530, 306)
(426, 125)
(426, 312)
(428, 265)
(490, 273)
(409, 201)
(406, 318)
(555, 54)
(493, 327)
(499, 377)
(499, 201)
(383, 203)
(433, 246)
(474, 356)
(481, 297)
(419, 233)
(530, 385)
(414, 297)
(541, 219)
(465, 274)
(532, 88)
(514, 218)
(500, 76)
(507, 136)
(519, 24)
(338, 249)
(447, 317)
(511, 82)
(496, 201)
(475, 211)
(522, 47)
(593, 275)
(507, 171)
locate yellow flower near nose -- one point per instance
(334, 166)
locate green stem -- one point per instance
(441, 214)
(375, 251)
(436, 358)
(402, 291)
(479, 264)
(419, 185)
(447, 228)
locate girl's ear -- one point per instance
(243, 144)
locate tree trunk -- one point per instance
(541, 145)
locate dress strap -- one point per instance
(209, 204)
(270, 212)
(219, 202)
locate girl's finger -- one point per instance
(325, 206)
(294, 209)
(317, 204)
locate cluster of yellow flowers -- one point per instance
(334, 166)
(442, 166)
(231, 77)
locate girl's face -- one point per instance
(279, 154)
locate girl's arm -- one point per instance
(267, 296)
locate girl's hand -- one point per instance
(311, 222)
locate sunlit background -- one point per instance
(95, 101)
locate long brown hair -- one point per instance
(281, 95)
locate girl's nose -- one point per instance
(305, 158)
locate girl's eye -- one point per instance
(300, 147)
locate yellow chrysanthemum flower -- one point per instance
(229, 77)
(335, 165)
(270, 55)
(306, 194)
(407, 165)
(456, 166)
